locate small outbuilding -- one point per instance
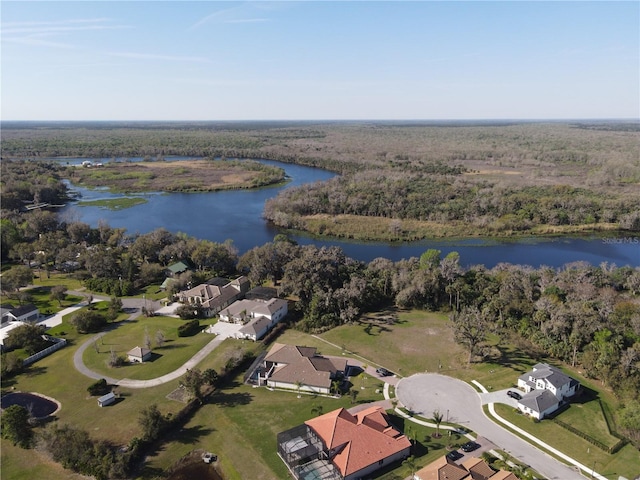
(107, 399)
(139, 355)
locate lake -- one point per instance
(237, 215)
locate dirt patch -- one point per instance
(180, 394)
(191, 467)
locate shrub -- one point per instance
(188, 329)
(98, 388)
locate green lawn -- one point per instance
(625, 463)
(174, 352)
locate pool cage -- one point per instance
(303, 452)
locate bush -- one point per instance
(188, 329)
(188, 312)
(87, 321)
(98, 388)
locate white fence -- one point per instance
(59, 343)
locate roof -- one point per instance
(551, 374)
(214, 295)
(504, 475)
(23, 310)
(301, 364)
(178, 267)
(359, 440)
(255, 307)
(106, 397)
(539, 400)
(255, 326)
(478, 468)
(139, 352)
(442, 469)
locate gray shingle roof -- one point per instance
(539, 400)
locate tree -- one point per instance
(193, 381)
(335, 386)
(159, 338)
(58, 294)
(152, 422)
(88, 321)
(115, 307)
(470, 328)
(298, 385)
(15, 426)
(354, 394)
(437, 419)
(26, 336)
(317, 410)
(410, 462)
(16, 277)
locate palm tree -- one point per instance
(335, 386)
(317, 410)
(411, 463)
(364, 374)
(437, 419)
(298, 385)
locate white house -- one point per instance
(139, 355)
(258, 316)
(24, 313)
(107, 399)
(546, 389)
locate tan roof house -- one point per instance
(472, 468)
(258, 316)
(212, 297)
(286, 365)
(342, 445)
(139, 355)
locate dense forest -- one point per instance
(485, 178)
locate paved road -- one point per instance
(424, 393)
(134, 307)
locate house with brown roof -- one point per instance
(214, 296)
(300, 368)
(341, 445)
(470, 469)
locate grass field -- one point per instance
(240, 423)
(173, 353)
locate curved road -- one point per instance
(424, 393)
(135, 306)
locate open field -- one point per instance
(177, 176)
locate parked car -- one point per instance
(383, 372)
(454, 455)
(515, 395)
(470, 447)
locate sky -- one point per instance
(319, 60)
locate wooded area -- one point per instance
(487, 178)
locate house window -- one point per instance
(381, 462)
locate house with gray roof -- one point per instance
(300, 368)
(546, 388)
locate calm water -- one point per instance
(237, 215)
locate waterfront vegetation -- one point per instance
(113, 203)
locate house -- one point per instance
(258, 316)
(300, 368)
(547, 388)
(341, 445)
(471, 469)
(107, 399)
(212, 297)
(24, 313)
(177, 268)
(139, 355)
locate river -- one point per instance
(237, 215)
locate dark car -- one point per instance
(470, 447)
(383, 372)
(515, 395)
(454, 455)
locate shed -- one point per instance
(107, 399)
(139, 354)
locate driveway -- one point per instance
(460, 403)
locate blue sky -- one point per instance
(206, 60)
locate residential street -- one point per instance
(424, 393)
